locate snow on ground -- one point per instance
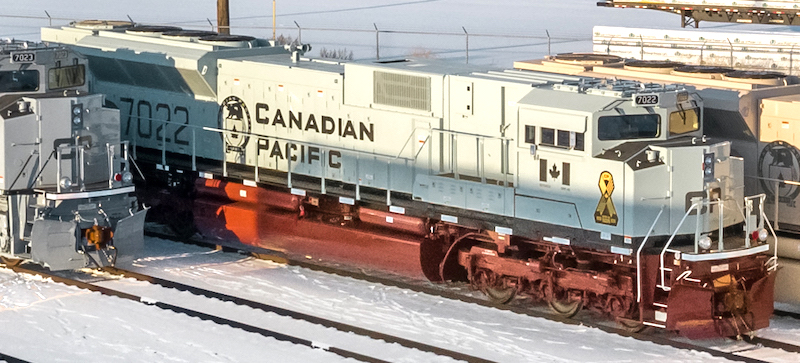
(51, 322)
(485, 332)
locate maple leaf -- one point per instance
(554, 172)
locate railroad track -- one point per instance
(740, 350)
(100, 283)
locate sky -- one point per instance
(519, 29)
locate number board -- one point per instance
(23, 57)
(645, 100)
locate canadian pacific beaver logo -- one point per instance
(779, 161)
(234, 117)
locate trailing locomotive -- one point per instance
(66, 195)
(579, 191)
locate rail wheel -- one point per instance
(631, 325)
(10, 261)
(563, 302)
(494, 286)
(626, 314)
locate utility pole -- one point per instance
(273, 20)
(223, 17)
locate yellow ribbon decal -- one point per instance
(606, 213)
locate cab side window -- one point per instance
(19, 81)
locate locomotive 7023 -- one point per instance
(66, 193)
(579, 191)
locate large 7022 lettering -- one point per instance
(145, 115)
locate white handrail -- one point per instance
(669, 242)
(639, 254)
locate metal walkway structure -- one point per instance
(780, 12)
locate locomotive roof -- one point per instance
(9, 45)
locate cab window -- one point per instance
(65, 77)
(19, 81)
(683, 121)
(626, 127)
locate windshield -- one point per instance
(683, 121)
(625, 127)
(71, 76)
(19, 81)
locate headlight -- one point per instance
(704, 242)
(759, 235)
(65, 183)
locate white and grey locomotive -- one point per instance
(66, 193)
(579, 191)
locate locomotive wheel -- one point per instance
(500, 295)
(10, 262)
(562, 301)
(495, 287)
(631, 325)
(626, 313)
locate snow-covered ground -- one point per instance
(53, 322)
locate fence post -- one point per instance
(548, 41)
(377, 42)
(731, 45)
(467, 36)
(299, 33)
(702, 48)
(641, 47)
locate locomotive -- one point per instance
(66, 193)
(578, 191)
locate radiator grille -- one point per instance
(402, 90)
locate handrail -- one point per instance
(774, 259)
(704, 202)
(669, 242)
(81, 163)
(639, 254)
